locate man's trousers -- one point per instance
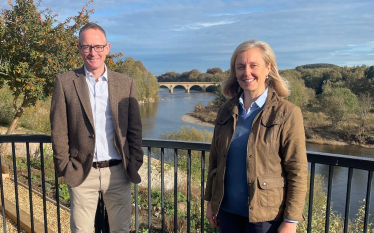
(116, 190)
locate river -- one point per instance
(165, 116)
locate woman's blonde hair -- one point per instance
(230, 86)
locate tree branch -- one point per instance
(5, 74)
(15, 102)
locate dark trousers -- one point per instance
(233, 223)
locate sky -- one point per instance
(171, 35)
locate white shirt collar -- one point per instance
(102, 77)
(260, 100)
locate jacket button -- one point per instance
(264, 184)
(250, 156)
(251, 208)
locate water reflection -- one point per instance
(165, 115)
(344, 150)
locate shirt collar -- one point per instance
(260, 100)
(102, 77)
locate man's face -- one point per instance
(93, 61)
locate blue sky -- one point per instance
(169, 35)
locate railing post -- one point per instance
(43, 186)
(136, 209)
(30, 188)
(328, 204)
(162, 191)
(311, 195)
(175, 190)
(2, 194)
(202, 191)
(16, 186)
(149, 190)
(348, 200)
(367, 203)
(189, 191)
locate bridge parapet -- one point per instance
(188, 85)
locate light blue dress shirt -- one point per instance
(255, 105)
(103, 123)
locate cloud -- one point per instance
(196, 26)
(169, 35)
(365, 47)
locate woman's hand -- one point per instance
(211, 218)
(287, 227)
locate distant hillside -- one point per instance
(315, 66)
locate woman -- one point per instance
(257, 177)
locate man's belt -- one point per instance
(107, 163)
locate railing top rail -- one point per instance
(358, 162)
(313, 157)
(33, 138)
(174, 144)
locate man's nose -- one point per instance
(93, 51)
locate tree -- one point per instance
(301, 96)
(365, 105)
(337, 102)
(332, 75)
(369, 72)
(34, 49)
(146, 82)
(313, 79)
(214, 70)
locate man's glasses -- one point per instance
(97, 48)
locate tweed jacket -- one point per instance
(73, 131)
(276, 160)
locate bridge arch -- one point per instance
(187, 85)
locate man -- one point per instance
(96, 135)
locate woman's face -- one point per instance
(251, 71)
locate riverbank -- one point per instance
(189, 118)
(318, 135)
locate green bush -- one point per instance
(64, 192)
(6, 106)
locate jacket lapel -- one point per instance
(82, 90)
(113, 97)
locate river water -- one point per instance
(165, 116)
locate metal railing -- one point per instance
(101, 225)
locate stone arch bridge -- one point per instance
(188, 85)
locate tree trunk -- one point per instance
(4, 167)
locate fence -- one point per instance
(332, 160)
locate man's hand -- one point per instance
(211, 218)
(286, 227)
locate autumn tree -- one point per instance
(214, 70)
(34, 49)
(300, 94)
(337, 102)
(146, 82)
(365, 105)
